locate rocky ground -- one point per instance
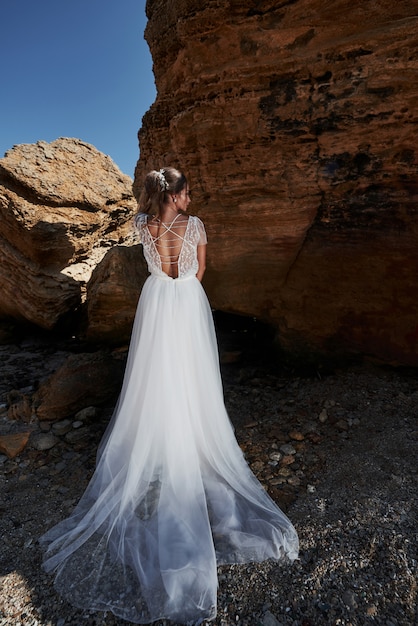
(338, 452)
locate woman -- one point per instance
(172, 495)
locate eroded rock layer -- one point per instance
(296, 123)
(61, 206)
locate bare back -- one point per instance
(168, 239)
(171, 248)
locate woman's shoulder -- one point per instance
(140, 219)
(199, 230)
(196, 220)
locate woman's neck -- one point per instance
(168, 212)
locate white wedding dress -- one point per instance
(172, 495)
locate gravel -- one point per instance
(338, 453)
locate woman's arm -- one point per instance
(201, 259)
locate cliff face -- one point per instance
(296, 124)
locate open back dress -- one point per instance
(172, 496)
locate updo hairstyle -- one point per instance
(158, 186)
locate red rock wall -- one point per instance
(296, 123)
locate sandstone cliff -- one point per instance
(296, 123)
(62, 205)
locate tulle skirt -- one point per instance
(172, 496)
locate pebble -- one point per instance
(371, 610)
(323, 416)
(270, 620)
(77, 435)
(296, 435)
(62, 427)
(90, 412)
(287, 448)
(288, 459)
(44, 441)
(277, 481)
(349, 598)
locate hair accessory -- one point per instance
(162, 180)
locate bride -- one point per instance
(172, 496)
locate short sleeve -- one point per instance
(140, 221)
(202, 238)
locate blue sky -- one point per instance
(75, 68)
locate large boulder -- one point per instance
(62, 205)
(86, 379)
(296, 123)
(112, 294)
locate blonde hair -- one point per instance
(158, 186)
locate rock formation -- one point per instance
(61, 206)
(112, 294)
(82, 380)
(295, 123)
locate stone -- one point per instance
(296, 435)
(323, 416)
(44, 441)
(62, 427)
(371, 610)
(13, 444)
(62, 204)
(88, 413)
(270, 620)
(288, 459)
(350, 599)
(287, 449)
(112, 294)
(296, 124)
(277, 481)
(82, 380)
(257, 466)
(59, 467)
(79, 434)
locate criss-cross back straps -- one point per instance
(168, 229)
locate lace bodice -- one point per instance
(170, 248)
